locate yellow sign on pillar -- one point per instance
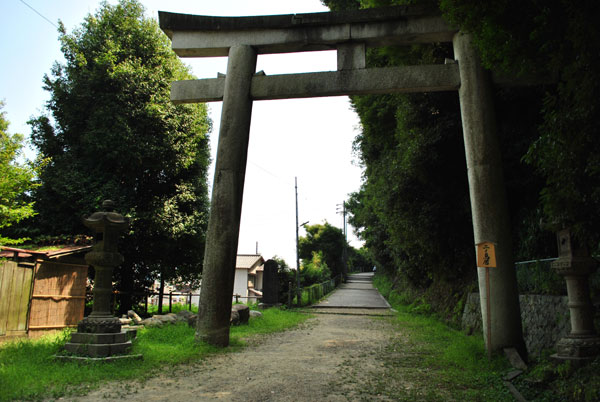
(486, 255)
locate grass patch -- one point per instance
(442, 363)
(548, 381)
(28, 370)
(175, 308)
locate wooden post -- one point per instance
(226, 204)
(170, 302)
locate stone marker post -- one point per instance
(489, 208)
(270, 284)
(226, 204)
(575, 265)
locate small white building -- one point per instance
(248, 283)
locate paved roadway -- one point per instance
(357, 293)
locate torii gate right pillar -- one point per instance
(489, 208)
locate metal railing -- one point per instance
(317, 291)
(538, 277)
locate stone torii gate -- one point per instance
(350, 33)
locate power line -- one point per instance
(40, 14)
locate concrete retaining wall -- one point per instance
(545, 319)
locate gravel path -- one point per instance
(326, 359)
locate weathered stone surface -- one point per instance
(270, 282)
(515, 359)
(136, 318)
(184, 315)
(80, 337)
(575, 264)
(545, 319)
(101, 325)
(405, 79)
(489, 208)
(201, 36)
(170, 318)
(192, 320)
(243, 311)
(152, 322)
(255, 314)
(234, 318)
(226, 204)
(98, 350)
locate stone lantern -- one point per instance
(576, 265)
(99, 335)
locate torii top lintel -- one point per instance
(208, 36)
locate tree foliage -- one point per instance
(314, 270)
(327, 243)
(17, 179)
(558, 39)
(111, 132)
(413, 209)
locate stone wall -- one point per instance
(545, 320)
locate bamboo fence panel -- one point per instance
(58, 299)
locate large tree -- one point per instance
(16, 180)
(111, 132)
(327, 243)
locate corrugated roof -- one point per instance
(248, 261)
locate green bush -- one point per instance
(316, 271)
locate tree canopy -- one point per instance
(16, 180)
(322, 250)
(111, 132)
(557, 39)
(413, 209)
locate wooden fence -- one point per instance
(41, 297)
(58, 298)
(15, 289)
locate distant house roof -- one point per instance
(251, 262)
(11, 252)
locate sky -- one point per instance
(310, 139)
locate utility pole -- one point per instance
(345, 249)
(298, 293)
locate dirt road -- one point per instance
(329, 358)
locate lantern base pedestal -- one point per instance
(86, 359)
(99, 339)
(99, 325)
(577, 349)
(98, 345)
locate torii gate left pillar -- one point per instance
(226, 203)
